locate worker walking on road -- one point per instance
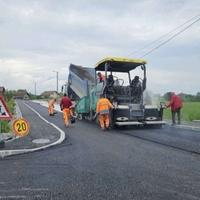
(176, 104)
(65, 106)
(102, 109)
(51, 106)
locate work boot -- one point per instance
(107, 128)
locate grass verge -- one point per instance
(6, 125)
(189, 112)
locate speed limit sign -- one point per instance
(21, 127)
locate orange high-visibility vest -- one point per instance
(103, 104)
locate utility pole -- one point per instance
(56, 80)
(35, 88)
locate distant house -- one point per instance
(2, 91)
(22, 94)
(49, 94)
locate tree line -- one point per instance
(185, 97)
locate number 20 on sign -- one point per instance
(21, 127)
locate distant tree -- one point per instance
(198, 96)
(33, 96)
(9, 94)
(185, 97)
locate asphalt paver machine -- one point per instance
(125, 92)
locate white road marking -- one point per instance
(18, 111)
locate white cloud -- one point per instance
(164, 80)
(37, 37)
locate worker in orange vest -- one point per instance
(51, 106)
(102, 109)
(65, 106)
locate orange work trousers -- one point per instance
(51, 109)
(104, 120)
(66, 116)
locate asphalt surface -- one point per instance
(119, 164)
(38, 130)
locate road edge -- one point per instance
(6, 153)
(184, 127)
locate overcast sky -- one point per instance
(39, 36)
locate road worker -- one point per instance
(101, 77)
(176, 104)
(65, 106)
(102, 109)
(136, 89)
(51, 106)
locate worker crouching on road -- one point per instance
(176, 104)
(65, 106)
(51, 106)
(102, 109)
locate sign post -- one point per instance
(4, 112)
(5, 115)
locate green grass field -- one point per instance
(189, 112)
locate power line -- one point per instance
(178, 33)
(163, 36)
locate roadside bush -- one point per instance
(5, 125)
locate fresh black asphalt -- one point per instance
(38, 130)
(119, 164)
